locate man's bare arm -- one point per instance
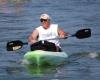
(33, 37)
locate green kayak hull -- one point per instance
(44, 58)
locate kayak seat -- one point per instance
(45, 45)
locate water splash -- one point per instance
(93, 55)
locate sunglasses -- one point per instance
(42, 20)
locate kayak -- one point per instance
(43, 53)
(44, 58)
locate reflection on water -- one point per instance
(12, 6)
(39, 71)
(43, 68)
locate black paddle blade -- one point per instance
(14, 45)
(84, 33)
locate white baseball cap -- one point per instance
(45, 16)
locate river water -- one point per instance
(18, 18)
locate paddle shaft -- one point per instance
(25, 43)
(80, 34)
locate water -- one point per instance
(19, 17)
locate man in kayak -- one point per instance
(47, 34)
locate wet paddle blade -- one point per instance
(83, 33)
(14, 45)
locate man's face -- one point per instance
(45, 23)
